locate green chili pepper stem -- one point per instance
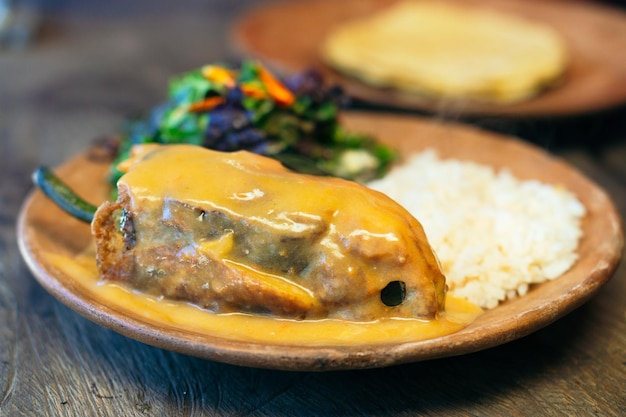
(62, 195)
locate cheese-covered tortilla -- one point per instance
(440, 49)
(238, 232)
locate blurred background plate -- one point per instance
(287, 36)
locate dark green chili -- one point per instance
(62, 195)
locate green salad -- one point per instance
(294, 120)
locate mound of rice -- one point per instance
(494, 234)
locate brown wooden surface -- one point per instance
(92, 66)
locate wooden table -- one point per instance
(93, 65)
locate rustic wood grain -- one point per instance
(8, 342)
(92, 66)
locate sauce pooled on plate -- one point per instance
(238, 232)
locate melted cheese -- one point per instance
(247, 184)
(80, 272)
(314, 247)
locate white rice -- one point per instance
(494, 234)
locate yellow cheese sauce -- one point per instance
(240, 232)
(81, 271)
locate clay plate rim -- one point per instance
(43, 227)
(287, 36)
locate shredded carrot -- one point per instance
(275, 88)
(219, 75)
(252, 90)
(206, 104)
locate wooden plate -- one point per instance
(43, 230)
(287, 35)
